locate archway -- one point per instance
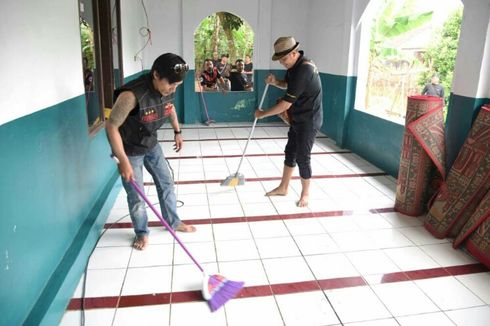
(223, 38)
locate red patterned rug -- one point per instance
(467, 182)
(476, 232)
(423, 150)
(478, 244)
(481, 214)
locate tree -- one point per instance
(87, 38)
(440, 57)
(394, 20)
(224, 33)
(387, 89)
(230, 23)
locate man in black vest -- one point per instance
(141, 108)
(303, 105)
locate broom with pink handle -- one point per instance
(216, 289)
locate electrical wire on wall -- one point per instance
(146, 33)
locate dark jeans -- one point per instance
(298, 148)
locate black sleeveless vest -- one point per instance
(139, 130)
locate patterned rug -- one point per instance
(467, 182)
(476, 232)
(422, 151)
(478, 244)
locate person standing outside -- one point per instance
(248, 67)
(238, 79)
(141, 108)
(210, 77)
(216, 59)
(223, 66)
(434, 88)
(303, 104)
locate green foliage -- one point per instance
(440, 57)
(87, 36)
(395, 19)
(229, 26)
(231, 21)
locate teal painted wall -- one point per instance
(225, 107)
(338, 101)
(53, 174)
(375, 139)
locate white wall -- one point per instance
(472, 67)
(132, 20)
(484, 82)
(289, 18)
(326, 29)
(334, 31)
(174, 22)
(41, 59)
(166, 24)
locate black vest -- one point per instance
(139, 130)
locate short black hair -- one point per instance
(164, 66)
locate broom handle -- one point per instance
(142, 194)
(203, 100)
(252, 131)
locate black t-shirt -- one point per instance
(248, 67)
(433, 90)
(238, 81)
(305, 93)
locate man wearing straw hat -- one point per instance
(303, 105)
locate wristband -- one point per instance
(177, 132)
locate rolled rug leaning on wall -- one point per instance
(422, 161)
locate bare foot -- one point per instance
(277, 192)
(303, 201)
(185, 228)
(141, 242)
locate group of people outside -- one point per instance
(218, 74)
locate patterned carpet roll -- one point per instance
(467, 183)
(478, 244)
(422, 150)
(481, 214)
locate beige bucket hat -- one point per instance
(284, 45)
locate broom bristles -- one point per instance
(234, 180)
(221, 290)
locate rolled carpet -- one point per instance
(476, 232)
(423, 152)
(467, 182)
(478, 244)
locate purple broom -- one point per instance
(216, 289)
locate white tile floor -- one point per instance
(347, 259)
